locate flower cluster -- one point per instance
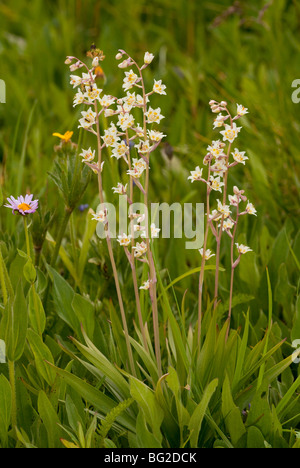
(126, 137)
(220, 158)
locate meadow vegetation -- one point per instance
(100, 349)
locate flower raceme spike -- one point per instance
(22, 205)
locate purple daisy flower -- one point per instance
(23, 206)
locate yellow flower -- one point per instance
(66, 137)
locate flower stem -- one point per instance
(153, 279)
(27, 237)
(110, 251)
(132, 263)
(201, 276)
(2, 279)
(233, 266)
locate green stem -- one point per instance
(153, 279)
(201, 275)
(73, 242)
(2, 279)
(12, 379)
(132, 262)
(27, 236)
(7, 279)
(111, 254)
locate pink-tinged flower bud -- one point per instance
(68, 61)
(212, 103)
(119, 56)
(223, 104)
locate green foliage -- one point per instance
(63, 356)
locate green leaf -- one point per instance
(174, 384)
(248, 271)
(29, 271)
(191, 272)
(148, 404)
(231, 414)
(1, 195)
(50, 420)
(16, 321)
(36, 312)
(238, 299)
(255, 439)
(295, 333)
(103, 404)
(90, 229)
(63, 296)
(177, 334)
(85, 314)
(145, 438)
(113, 377)
(241, 355)
(270, 312)
(268, 377)
(73, 415)
(199, 413)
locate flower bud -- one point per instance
(124, 64)
(148, 57)
(119, 56)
